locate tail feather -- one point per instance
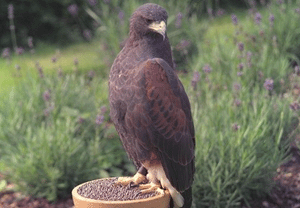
(188, 198)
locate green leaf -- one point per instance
(67, 111)
(3, 185)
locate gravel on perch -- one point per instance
(108, 190)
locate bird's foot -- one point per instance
(136, 179)
(151, 187)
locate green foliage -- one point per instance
(238, 147)
(3, 185)
(264, 55)
(285, 34)
(243, 128)
(49, 140)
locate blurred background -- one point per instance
(238, 61)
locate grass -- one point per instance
(87, 53)
(6, 80)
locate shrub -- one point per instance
(239, 147)
(54, 135)
(254, 53)
(245, 105)
(284, 31)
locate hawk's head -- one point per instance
(149, 19)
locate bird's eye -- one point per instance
(148, 21)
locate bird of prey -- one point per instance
(151, 110)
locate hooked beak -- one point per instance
(159, 27)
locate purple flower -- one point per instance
(80, 120)
(99, 119)
(47, 112)
(54, 59)
(261, 33)
(239, 74)
(93, 2)
(295, 106)
(73, 10)
(240, 66)
(271, 19)
(19, 51)
(40, 69)
(91, 74)
(75, 61)
(103, 109)
(30, 42)
(297, 10)
(210, 12)
(269, 84)
(237, 102)
(253, 38)
(241, 46)
(258, 18)
(47, 95)
(234, 19)
(196, 76)
(183, 44)
(235, 127)
(178, 20)
(6, 53)
(249, 56)
(236, 86)
(87, 34)
(121, 16)
(207, 69)
(195, 80)
(220, 12)
(10, 11)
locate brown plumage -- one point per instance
(149, 106)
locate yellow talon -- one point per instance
(151, 187)
(136, 179)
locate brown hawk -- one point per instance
(151, 110)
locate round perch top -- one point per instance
(107, 190)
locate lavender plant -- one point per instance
(241, 144)
(243, 132)
(51, 139)
(12, 26)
